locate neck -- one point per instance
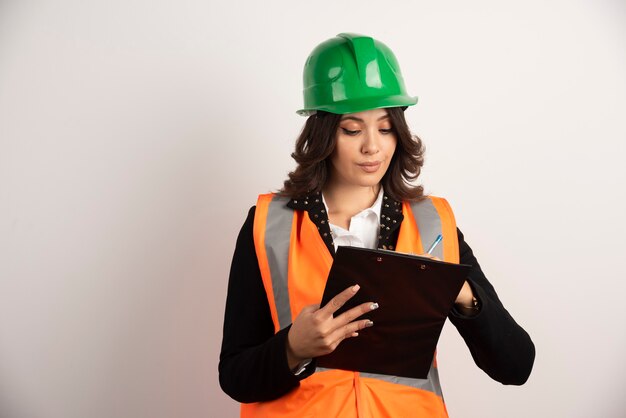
(349, 200)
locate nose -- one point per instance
(371, 142)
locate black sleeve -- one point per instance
(253, 362)
(499, 346)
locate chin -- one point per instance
(368, 182)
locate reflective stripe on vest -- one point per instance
(294, 263)
(431, 383)
(276, 245)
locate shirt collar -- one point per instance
(390, 218)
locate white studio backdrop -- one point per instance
(136, 134)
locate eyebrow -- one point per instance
(361, 120)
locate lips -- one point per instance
(370, 166)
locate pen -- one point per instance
(437, 241)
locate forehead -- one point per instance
(367, 115)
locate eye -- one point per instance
(349, 132)
(386, 131)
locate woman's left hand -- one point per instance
(465, 296)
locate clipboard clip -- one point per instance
(380, 260)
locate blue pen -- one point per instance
(437, 241)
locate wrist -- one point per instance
(469, 309)
(466, 298)
(293, 360)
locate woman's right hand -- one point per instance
(316, 332)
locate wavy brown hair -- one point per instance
(317, 142)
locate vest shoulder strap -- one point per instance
(433, 216)
(272, 233)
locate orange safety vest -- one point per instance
(294, 263)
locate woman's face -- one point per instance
(364, 147)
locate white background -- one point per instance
(136, 134)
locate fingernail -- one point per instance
(356, 288)
(374, 306)
(369, 323)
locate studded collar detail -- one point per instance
(390, 219)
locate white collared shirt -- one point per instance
(363, 230)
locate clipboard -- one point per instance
(415, 295)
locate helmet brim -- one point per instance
(361, 105)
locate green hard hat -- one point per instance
(351, 73)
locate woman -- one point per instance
(356, 157)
